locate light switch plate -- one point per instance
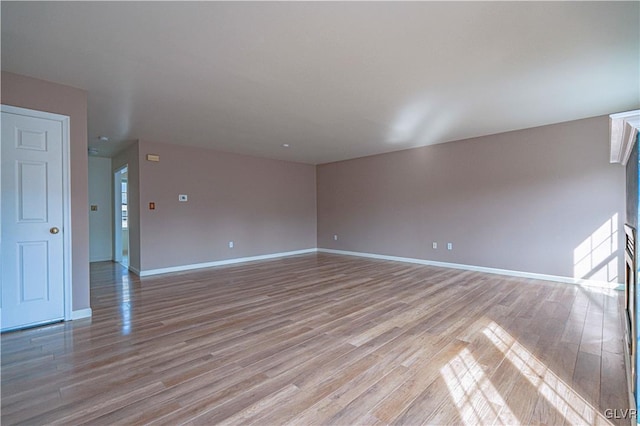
(182, 198)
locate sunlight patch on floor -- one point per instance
(574, 408)
(477, 399)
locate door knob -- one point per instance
(54, 230)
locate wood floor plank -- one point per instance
(321, 339)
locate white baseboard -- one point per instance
(219, 263)
(81, 313)
(533, 275)
(134, 270)
(507, 272)
(101, 259)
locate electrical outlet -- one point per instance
(449, 246)
(434, 245)
(335, 238)
(183, 198)
(230, 244)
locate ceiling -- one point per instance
(334, 80)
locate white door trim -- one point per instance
(66, 195)
(117, 204)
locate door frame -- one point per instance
(66, 197)
(117, 204)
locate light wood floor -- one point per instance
(321, 339)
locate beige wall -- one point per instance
(535, 200)
(263, 206)
(101, 220)
(26, 92)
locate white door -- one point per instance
(33, 276)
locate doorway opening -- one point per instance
(121, 225)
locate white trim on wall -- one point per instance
(507, 272)
(117, 212)
(533, 275)
(623, 131)
(219, 262)
(101, 259)
(81, 313)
